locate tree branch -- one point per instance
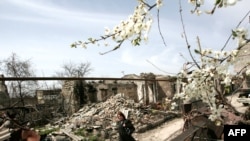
(185, 36)
(159, 28)
(236, 27)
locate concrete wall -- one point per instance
(48, 96)
(70, 101)
(4, 96)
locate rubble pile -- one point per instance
(99, 119)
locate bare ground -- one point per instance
(164, 132)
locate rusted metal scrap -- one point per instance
(197, 126)
(189, 132)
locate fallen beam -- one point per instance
(74, 137)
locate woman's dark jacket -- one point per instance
(125, 132)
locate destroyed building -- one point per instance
(47, 96)
(50, 102)
(99, 120)
(75, 94)
(151, 90)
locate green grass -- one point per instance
(47, 131)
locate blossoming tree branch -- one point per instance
(204, 76)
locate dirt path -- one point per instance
(163, 132)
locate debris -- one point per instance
(99, 119)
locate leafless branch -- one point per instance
(159, 28)
(185, 36)
(160, 68)
(236, 27)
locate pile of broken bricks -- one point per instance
(100, 119)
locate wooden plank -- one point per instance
(186, 134)
(244, 90)
(74, 137)
(190, 131)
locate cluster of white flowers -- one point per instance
(248, 72)
(173, 105)
(229, 2)
(159, 3)
(196, 2)
(136, 26)
(216, 113)
(219, 3)
(241, 34)
(213, 58)
(202, 82)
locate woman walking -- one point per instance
(125, 128)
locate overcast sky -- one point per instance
(42, 31)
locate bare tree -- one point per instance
(75, 70)
(15, 67)
(71, 69)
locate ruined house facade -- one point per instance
(153, 89)
(75, 94)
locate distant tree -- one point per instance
(71, 69)
(15, 67)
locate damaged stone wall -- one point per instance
(166, 89)
(154, 91)
(46, 96)
(110, 88)
(70, 101)
(246, 81)
(4, 96)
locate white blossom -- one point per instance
(241, 42)
(195, 2)
(241, 34)
(107, 31)
(198, 12)
(159, 3)
(234, 52)
(248, 72)
(145, 37)
(173, 105)
(229, 2)
(227, 81)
